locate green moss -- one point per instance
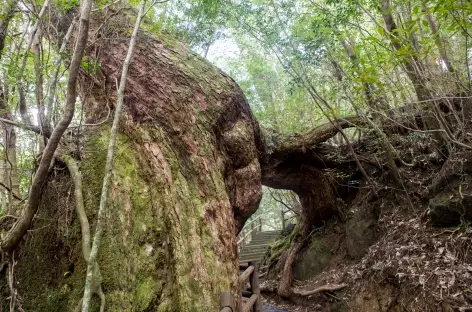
(156, 237)
(278, 247)
(315, 259)
(145, 293)
(128, 270)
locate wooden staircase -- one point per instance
(255, 250)
(252, 246)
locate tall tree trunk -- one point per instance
(186, 177)
(10, 177)
(438, 40)
(10, 168)
(413, 67)
(412, 64)
(377, 104)
(7, 14)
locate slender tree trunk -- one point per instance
(92, 260)
(438, 40)
(376, 105)
(10, 175)
(13, 237)
(412, 64)
(38, 90)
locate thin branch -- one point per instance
(55, 76)
(24, 126)
(88, 290)
(10, 191)
(84, 227)
(13, 237)
(281, 202)
(20, 83)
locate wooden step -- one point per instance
(256, 246)
(251, 257)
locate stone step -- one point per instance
(249, 259)
(258, 246)
(264, 239)
(250, 252)
(246, 251)
(266, 236)
(256, 255)
(268, 233)
(261, 245)
(261, 241)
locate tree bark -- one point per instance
(285, 284)
(6, 15)
(187, 164)
(10, 168)
(188, 170)
(10, 177)
(438, 40)
(97, 238)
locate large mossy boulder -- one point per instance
(186, 177)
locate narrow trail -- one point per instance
(268, 308)
(255, 251)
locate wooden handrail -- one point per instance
(226, 302)
(243, 277)
(250, 303)
(254, 302)
(253, 229)
(252, 221)
(245, 236)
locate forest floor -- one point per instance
(272, 308)
(409, 265)
(412, 265)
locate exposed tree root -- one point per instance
(324, 288)
(285, 284)
(11, 285)
(85, 229)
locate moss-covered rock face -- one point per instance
(313, 260)
(361, 231)
(453, 204)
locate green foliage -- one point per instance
(91, 65)
(66, 5)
